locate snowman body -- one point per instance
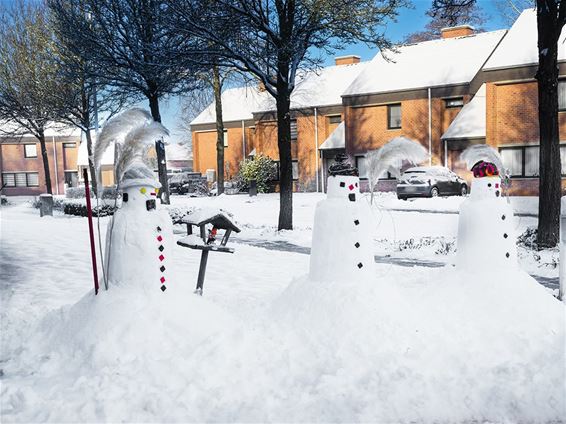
(486, 229)
(139, 240)
(342, 243)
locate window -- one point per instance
(225, 138)
(32, 179)
(563, 159)
(71, 178)
(295, 167)
(294, 131)
(30, 150)
(394, 116)
(455, 102)
(361, 164)
(562, 95)
(334, 119)
(521, 161)
(9, 180)
(20, 179)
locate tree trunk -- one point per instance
(45, 159)
(547, 77)
(160, 150)
(283, 101)
(217, 87)
(93, 176)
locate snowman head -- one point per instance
(139, 188)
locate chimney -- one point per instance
(457, 31)
(347, 60)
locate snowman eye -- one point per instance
(489, 185)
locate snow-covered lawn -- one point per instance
(264, 343)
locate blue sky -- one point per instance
(409, 20)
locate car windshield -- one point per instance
(414, 172)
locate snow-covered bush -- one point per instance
(58, 202)
(79, 193)
(78, 208)
(261, 168)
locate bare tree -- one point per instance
(466, 13)
(273, 39)
(510, 10)
(81, 100)
(135, 52)
(28, 75)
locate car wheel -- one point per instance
(401, 198)
(463, 190)
(434, 192)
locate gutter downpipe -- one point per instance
(316, 148)
(446, 153)
(243, 141)
(55, 160)
(429, 128)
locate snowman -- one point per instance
(139, 236)
(342, 248)
(486, 227)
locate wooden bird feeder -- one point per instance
(205, 240)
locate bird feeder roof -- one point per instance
(215, 217)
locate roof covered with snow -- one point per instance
(52, 130)
(519, 47)
(176, 151)
(336, 139)
(107, 157)
(237, 104)
(428, 64)
(323, 87)
(470, 122)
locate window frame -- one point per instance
(4, 174)
(69, 145)
(451, 99)
(294, 134)
(26, 153)
(225, 138)
(523, 149)
(389, 122)
(561, 82)
(27, 179)
(278, 169)
(331, 117)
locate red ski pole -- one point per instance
(91, 232)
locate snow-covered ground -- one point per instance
(264, 343)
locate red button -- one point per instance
(159, 238)
(161, 257)
(351, 186)
(162, 279)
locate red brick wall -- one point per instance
(366, 127)
(13, 160)
(512, 118)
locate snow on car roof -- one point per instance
(426, 168)
(427, 64)
(519, 47)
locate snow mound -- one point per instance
(432, 346)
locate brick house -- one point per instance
(251, 127)
(505, 113)
(447, 94)
(21, 164)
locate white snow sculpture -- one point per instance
(139, 239)
(486, 226)
(342, 244)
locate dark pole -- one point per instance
(91, 232)
(201, 271)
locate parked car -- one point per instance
(186, 182)
(430, 181)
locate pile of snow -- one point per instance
(429, 346)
